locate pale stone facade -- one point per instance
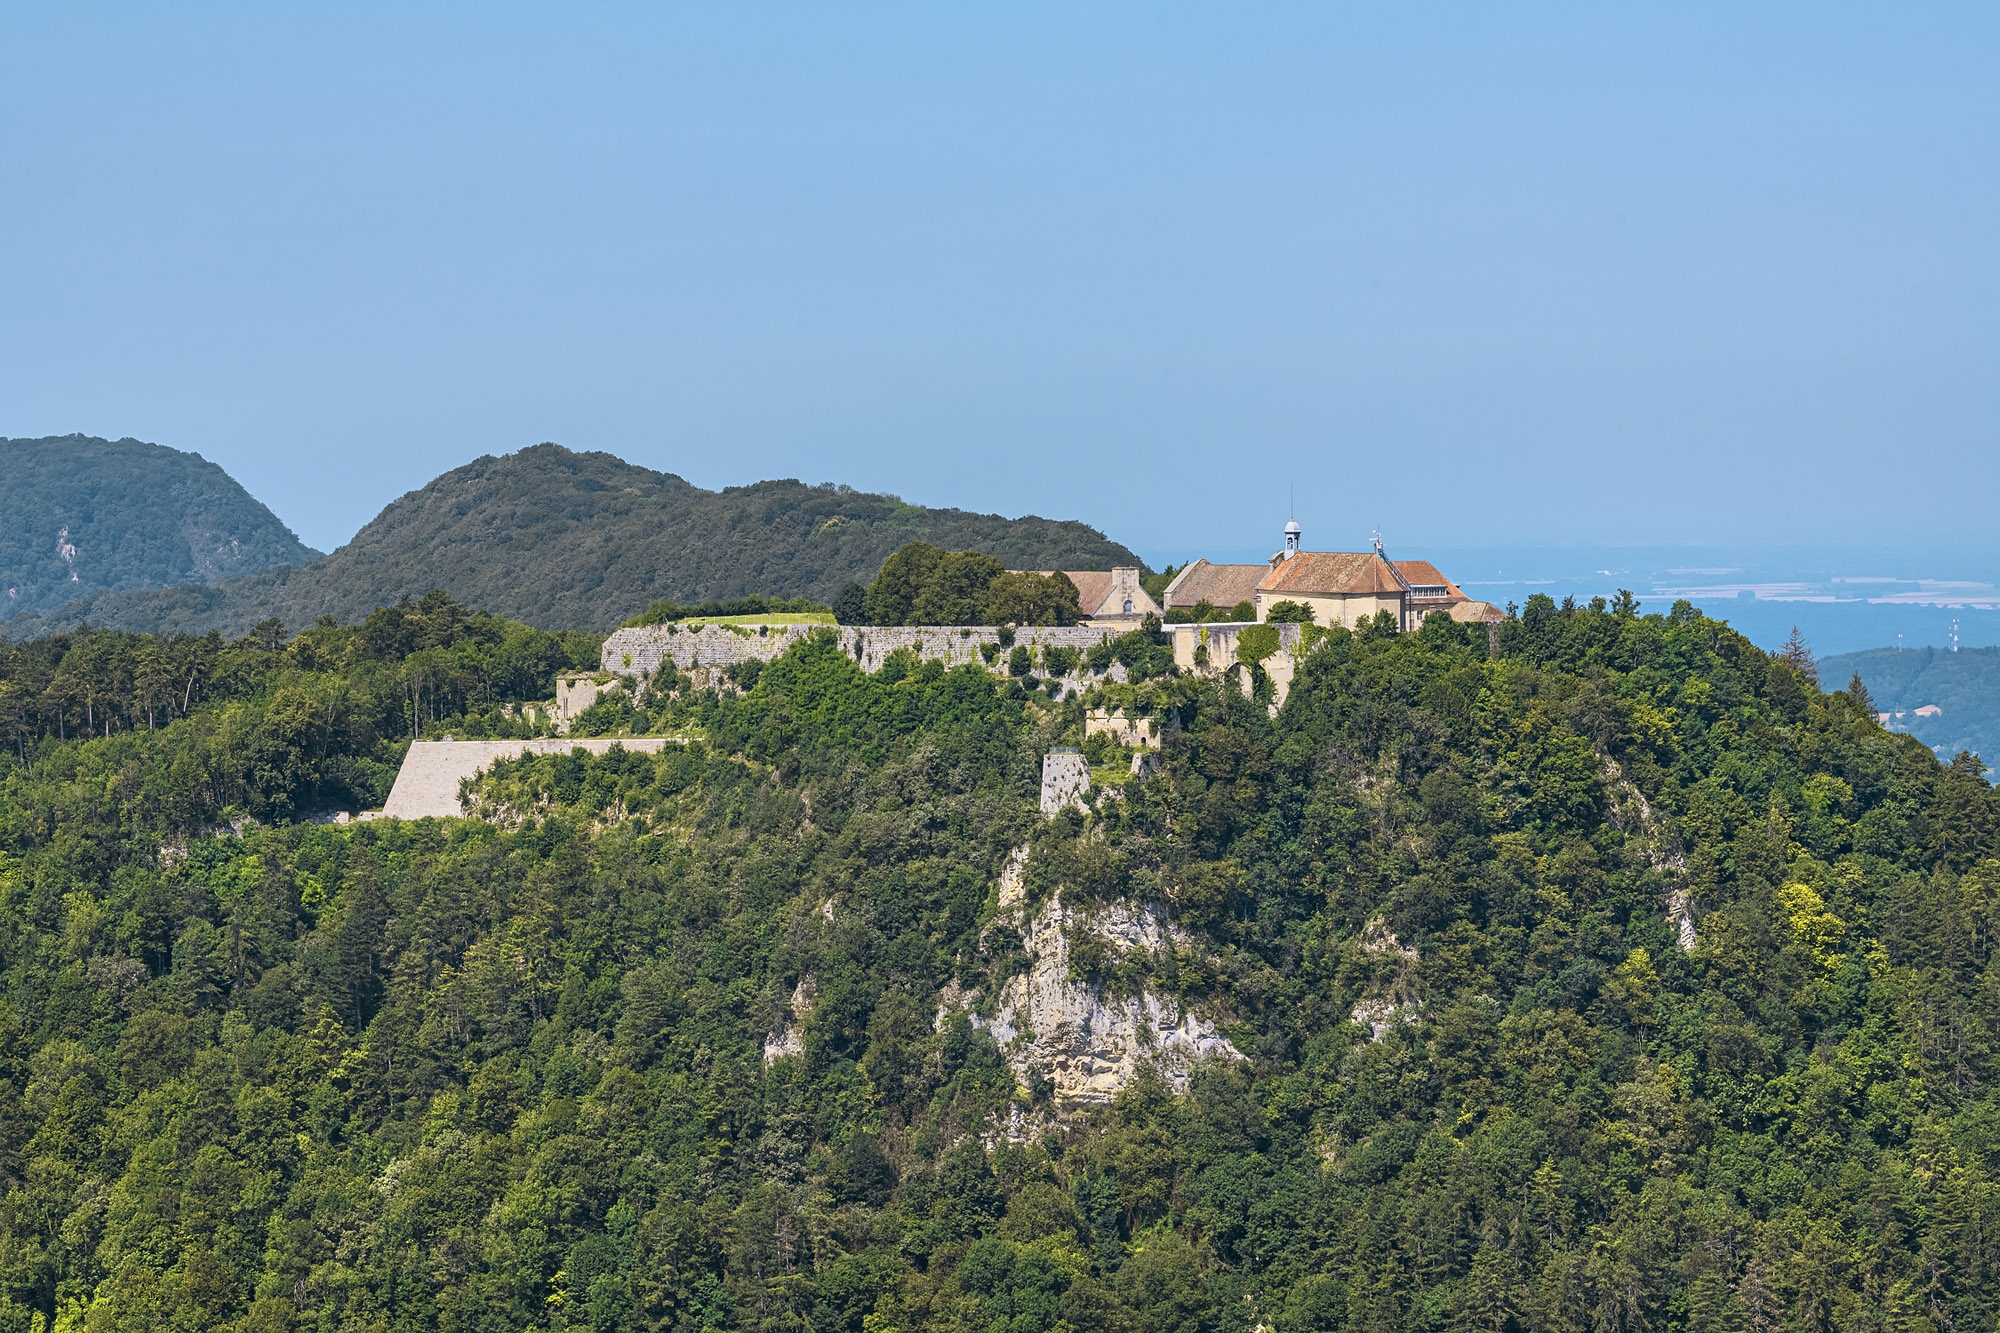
(1211, 650)
(1329, 609)
(1140, 732)
(1212, 647)
(577, 692)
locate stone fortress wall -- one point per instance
(1065, 779)
(1210, 649)
(428, 783)
(635, 654)
(638, 651)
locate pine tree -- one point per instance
(1485, 1300)
(1857, 694)
(1798, 657)
(1713, 1308)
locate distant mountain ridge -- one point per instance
(567, 540)
(80, 516)
(1964, 686)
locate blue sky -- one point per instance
(1483, 275)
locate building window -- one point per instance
(1128, 606)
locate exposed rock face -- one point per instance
(1013, 875)
(1392, 999)
(1089, 1044)
(1629, 806)
(788, 1039)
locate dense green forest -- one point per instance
(567, 540)
(921, 584)
(509, 1075)
(271, 726)
(1963, 684)
(80, 516)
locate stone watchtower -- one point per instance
(1065, 778)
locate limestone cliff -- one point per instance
(1088, 1043)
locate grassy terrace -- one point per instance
(768, 618)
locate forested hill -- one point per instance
(1964, 686)
(686, 1041)
(583, 540)
(80, 516)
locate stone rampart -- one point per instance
(639, 651)
(1212, 647)
(427, 784)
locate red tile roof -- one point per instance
(1095, 589)
(1424, 574)
(1331, 573)
(1218, 585)
(1092, 587)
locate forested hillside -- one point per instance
(518, 1075)
(80, 516)
(1963, 685)
(584, 540)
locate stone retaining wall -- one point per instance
(427, 784)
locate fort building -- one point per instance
(1221, 586)
(1339, 587)
(1111, 598)
(1114, 598)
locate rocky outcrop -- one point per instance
(1391, 997)
(788, 1038)
(1089, 1044)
